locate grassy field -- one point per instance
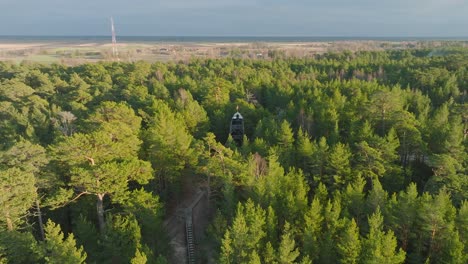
(76, 53)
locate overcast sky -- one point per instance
(439, 18)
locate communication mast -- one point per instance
(115, 52)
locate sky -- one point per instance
(379, 18)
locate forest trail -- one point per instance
(186, 224)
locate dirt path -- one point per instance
(193, 208)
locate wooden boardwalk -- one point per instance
(191, 258)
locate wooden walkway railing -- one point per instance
(190, 238)
(189, 229)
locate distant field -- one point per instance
(80, 52)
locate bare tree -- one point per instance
(64, 122)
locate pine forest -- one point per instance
(345, 157)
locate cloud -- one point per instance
(206, 4)
(241, 17)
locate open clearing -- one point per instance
(72, 53)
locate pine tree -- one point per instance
(87, 236)
(306, 260)
(260, 146)
(294, 196)
(17, 195)
(194, 115)
(462, 224)
(77, 94)
(404, 210)
(19, 247)
(384, 104)
(140, 258)
(380, 246)
(349, 244)
(269, 254)
(122, 239)
(148, 210)
(393, 179)
(354, 200)
(286, 193)
(271, 226)
(254, 258)
(332, 225)
(30, 158)
(304, 151)
(377, 197)
(369, 161)
(338, 168)
(285, 141)
(321, 193)
(110, 178)
(58, 250)
(255, 218)
(287, 251)
(267, 187)
(244, 235)
(313, 229)
(168, 144)
(437, 222)
(226, 255)
(218, 160)
(320, 158)
(229, 196)
(104, 161)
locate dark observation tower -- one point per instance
(237, 128)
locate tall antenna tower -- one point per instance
(115, 52)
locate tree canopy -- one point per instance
(347, 158)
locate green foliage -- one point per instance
(355, 154)
(304, 152)
(194, 115)
(112, 177)
(286, 193)
(87, 236)
(140, 258)
(462, 224)
(285, 143)
(354, 200)
(57, 250)
(338, 167)
(436, 217)
(313, 229)
(19, 247)
(370, 161)
(104, 161)
(122, 240)
(287, 251)
(24, 155)
(148, 210)
(271, 225)
(380, 246)
(227, 254)
(349, 244)
(377, 197)
(269, 255)
(404, 209)
(319, 159)
(244, 235)
(167, 143)
(17, 194)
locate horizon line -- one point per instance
(243, 36)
